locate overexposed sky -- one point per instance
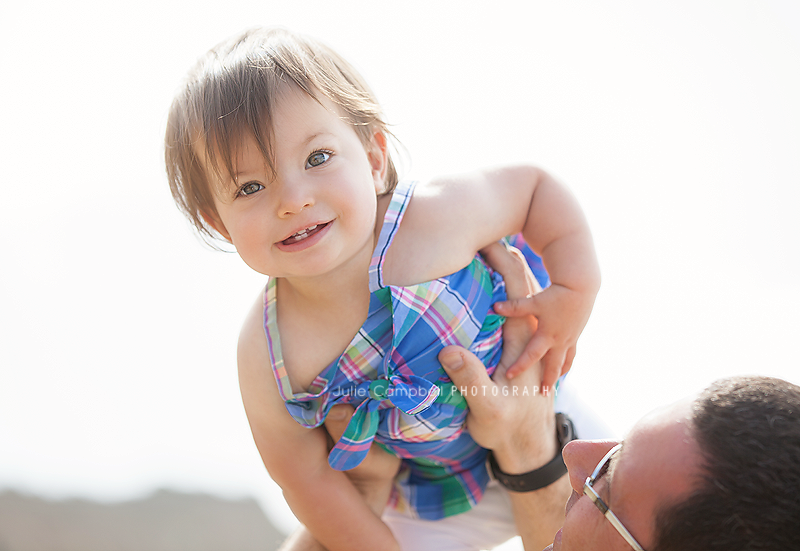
(676, 124)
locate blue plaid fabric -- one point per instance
(390, 373)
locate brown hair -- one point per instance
(230, 94)
(748, 431)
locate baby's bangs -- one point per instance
(235, 106)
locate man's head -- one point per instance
(748, 430)
(719, 472)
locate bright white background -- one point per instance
(676, 124)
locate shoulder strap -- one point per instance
(274, 340)
(391, 222)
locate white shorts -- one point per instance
(485, 526)
(491, 522)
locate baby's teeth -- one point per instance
(304, 233)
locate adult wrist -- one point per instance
(544, 472)
(528, 450)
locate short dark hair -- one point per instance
(748, 431)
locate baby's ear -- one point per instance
(378, 156)
(212, 219)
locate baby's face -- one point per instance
(316, 214)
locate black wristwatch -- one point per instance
(545, 475)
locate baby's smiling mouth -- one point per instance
(303, 234)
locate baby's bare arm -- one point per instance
(557, 229)
(372, 478)
(470, 211)
(322, 498)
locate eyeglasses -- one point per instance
(588, 490)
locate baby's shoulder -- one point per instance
(252, 350)
(428, 243)
(262, 401)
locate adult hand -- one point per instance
(520, 283)
(517, 423)
(514, 419)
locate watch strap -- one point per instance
(544, 475)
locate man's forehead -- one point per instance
(680, 410)
(658, 464)
(659, 435)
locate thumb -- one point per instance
(337, 420)
(468, 375)
(527, 306)
(511, 264)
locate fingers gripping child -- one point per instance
(276, 145)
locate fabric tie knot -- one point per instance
(410, 394)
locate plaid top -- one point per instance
(391, 374)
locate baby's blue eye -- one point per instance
(250, 188)
(317, 158)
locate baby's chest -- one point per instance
(307, 354)
(353, 349)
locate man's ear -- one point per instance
(378, 156)
(213, 220)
